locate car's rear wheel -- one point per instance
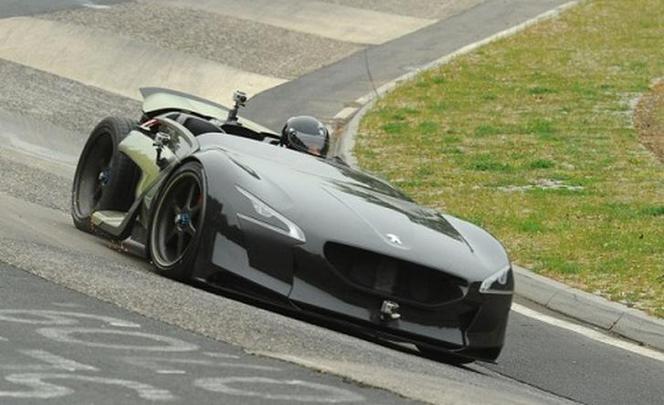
(105, 178)
(177, 223)
(444, 357)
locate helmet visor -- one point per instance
(316, 145)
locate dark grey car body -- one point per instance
(316, 236)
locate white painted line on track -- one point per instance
(118, 64)
(589, 333)
(58, 362)
(65, 305)
(172, 372)
(125, 325)
(341, 23)
(221, 355)
(96, 6)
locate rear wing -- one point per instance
(158, 100)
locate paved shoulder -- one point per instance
(575, 366)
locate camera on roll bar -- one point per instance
(240, 99)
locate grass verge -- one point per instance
(533, 138)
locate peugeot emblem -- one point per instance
(394, 239)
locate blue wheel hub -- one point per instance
(104, 176)
(183, 219)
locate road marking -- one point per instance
(3, 339)
(341, 23)
(221, 355)
(329, 394)
(65, 305)
(118, 64)
(58, 318)
(158, 364)
(58, 362)
(170, 372)
(589, 333)
(53, 362)
(125, 325)
(44, 390)
(166, 344)
(96, 6)
(39, 389)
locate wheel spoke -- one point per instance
(190, 197)
(180, 247)
(190, 229)
(176, 208)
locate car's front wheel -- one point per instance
(177, 224)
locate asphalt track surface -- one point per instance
(540, 363)
(61, 349)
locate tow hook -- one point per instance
(389, 311)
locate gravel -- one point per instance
(34, 185)
(44, 97)
(246, 45)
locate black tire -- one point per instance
(177, 223)
(105, 178)
(444, 357)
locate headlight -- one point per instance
(267, 217)
(499, 283)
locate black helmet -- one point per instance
(306, 134)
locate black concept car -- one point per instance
(210, 197)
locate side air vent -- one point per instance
(395, 278)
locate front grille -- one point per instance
(394, 278)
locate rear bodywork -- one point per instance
(317, 236)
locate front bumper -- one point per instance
(473, 325)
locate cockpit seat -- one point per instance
(199, 126)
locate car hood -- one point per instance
(333, 202)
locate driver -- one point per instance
(306, 134)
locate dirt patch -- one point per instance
(649, 119)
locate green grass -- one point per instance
(480, 136)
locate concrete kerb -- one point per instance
(346, 130)
(591, 309)
(588, 308)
